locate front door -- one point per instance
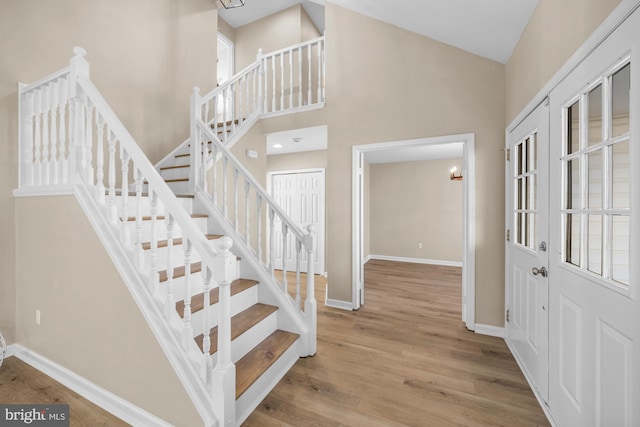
(594, 271)
(527, 323)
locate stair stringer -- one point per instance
(136, 284)
(288, 318)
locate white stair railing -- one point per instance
(70, 136)
(247, 211)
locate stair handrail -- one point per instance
(57, 152)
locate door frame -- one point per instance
(468, 221)
(323, 207)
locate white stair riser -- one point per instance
(179, 285)
(175, 173)
(145, 205)
(251, 338)
(239, 302)
(182, 160)
(177, 257)
(181, 187)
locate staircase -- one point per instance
(193, 237)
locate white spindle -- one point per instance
(154, 242)
(225, 107)
(113, 209)
(187, 330)
(53, 109)
(298, 251)
(291, 79)
(29, 137)
(299, 76)
(285, 238)
(100, 160)
(319, 71)
(89, 143)
(45, 174)
(214, 175)
(73, 152)
(64, 145)
(215, 101)
(240, 100)
(309, 96)
(273, 71)
(235, 199)
(247, 221)
(259, 222)
(225, 211)
(206, 326)
(282, 81)
(170, 301)
(138, 248)
(37, 137)
(272, 241)
(126, 234)
(310, 305)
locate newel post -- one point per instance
(224, 374)
(195, 141)
(310, 305)
(77, 148)
(261, 77)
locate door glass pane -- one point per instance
(519, 228)
(527, 193)
(621, 175)
(519, 193)
(573, 128)
(595, 115)
(595, 244)
(595, 179)
(572, 239)
(573, 184)
(519, 158)
(620, 85)
(534, 191)
(533, 153)
(526, 230)
(620, 246)
(525, 154)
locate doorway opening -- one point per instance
(418, 148)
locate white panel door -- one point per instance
(528, 218)
(301, 196)
(594, 272)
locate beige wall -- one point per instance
(416, 202)
(556, 30)
(418, 88)
(145, 56)
(366, 210)
(302, 160)
(89, 321)
(227, 30)
(308, 29)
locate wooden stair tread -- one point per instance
(196, 267)
(174, 167)
(133, 194)
(162, 217)
(228, 123)
(178, 241)
(257, 361)
(186, 154)
(197, 301)
(240, 323)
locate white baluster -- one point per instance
(310, 305)
(187, 330)
(138, 248)
(206, 327)
(154, 243)
(235, 199)
(247, 221)
(113, 209)
(126, 233)
(224, 372)
(196, 147)
(73, 152)
(272, 242)
(298, 251)
(215, 101)
(299, 76)
(240, 103)
(319, 71)
(225, 212)
(170, 306)
(324, 70)
(37, 138)
(46, 171)
(309, 96)
(291, 79)
(88, 143)
(247, 103)
(205, 162)
(282, 81)
(53, 108)
(29, 137)
(225, 107)
(100, 191)
(259, 222)
(285, 238)
(64, 144)
(273, 71)
(214, 175)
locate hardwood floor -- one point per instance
(404, 358)
(20, 383)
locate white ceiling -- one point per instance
(489, 28)
(292, 141)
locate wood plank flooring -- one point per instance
(20, 383)
(404, 359)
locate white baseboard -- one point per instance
(367, 259)
(108, 401)
(415, 260)
(336, 303)
(536, 393)
(492, 331)
(11, 350)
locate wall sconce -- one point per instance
(230, 4)
(453, 175)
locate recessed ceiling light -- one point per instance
(296, 139)
(277, 145)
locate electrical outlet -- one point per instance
(37, 317)
(420, 245)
